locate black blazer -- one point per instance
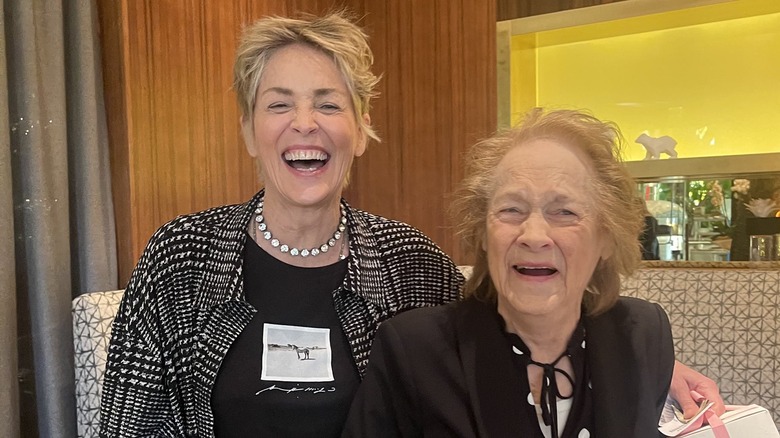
(442, 372)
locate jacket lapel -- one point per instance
(614, 375)
(491, 378)
(222, 311)
(225, 256)
(365, 267)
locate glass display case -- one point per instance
(708, 219)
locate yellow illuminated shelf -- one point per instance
(703, 72)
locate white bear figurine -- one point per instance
(656, 146)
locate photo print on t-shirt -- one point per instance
(296, 354)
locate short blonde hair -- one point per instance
(334, 34)
(620, 210)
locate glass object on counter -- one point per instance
(762, 248)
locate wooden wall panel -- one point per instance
(510, 9)
(112, 40)
(437, 97)
(174, 123)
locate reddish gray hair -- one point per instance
(621, 212)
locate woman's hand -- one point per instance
(685, 380)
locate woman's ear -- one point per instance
(607, 249)
(248, 133)
(363, 140)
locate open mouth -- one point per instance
(306, 160)
(535, 271)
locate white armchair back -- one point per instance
(93, 314)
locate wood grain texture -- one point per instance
(110, 16)
(437, 97)
(510, 9)
(174, 122)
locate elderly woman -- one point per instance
(542, 345)
(257, 319)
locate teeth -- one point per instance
(308, 155)
(535, 270)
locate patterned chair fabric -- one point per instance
(93, 314)
(725, 324)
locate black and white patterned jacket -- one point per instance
(184, 306)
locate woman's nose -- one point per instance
(304, 122)
(534, 232)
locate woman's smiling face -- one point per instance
(304, 130)
(543, 237)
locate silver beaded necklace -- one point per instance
(262, 228)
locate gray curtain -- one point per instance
(55, 194)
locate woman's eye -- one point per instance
(511, 214)
(565, 214)
(329, 108)
(278, 107)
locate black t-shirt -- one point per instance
(290, 373)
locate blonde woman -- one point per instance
(257, 319)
